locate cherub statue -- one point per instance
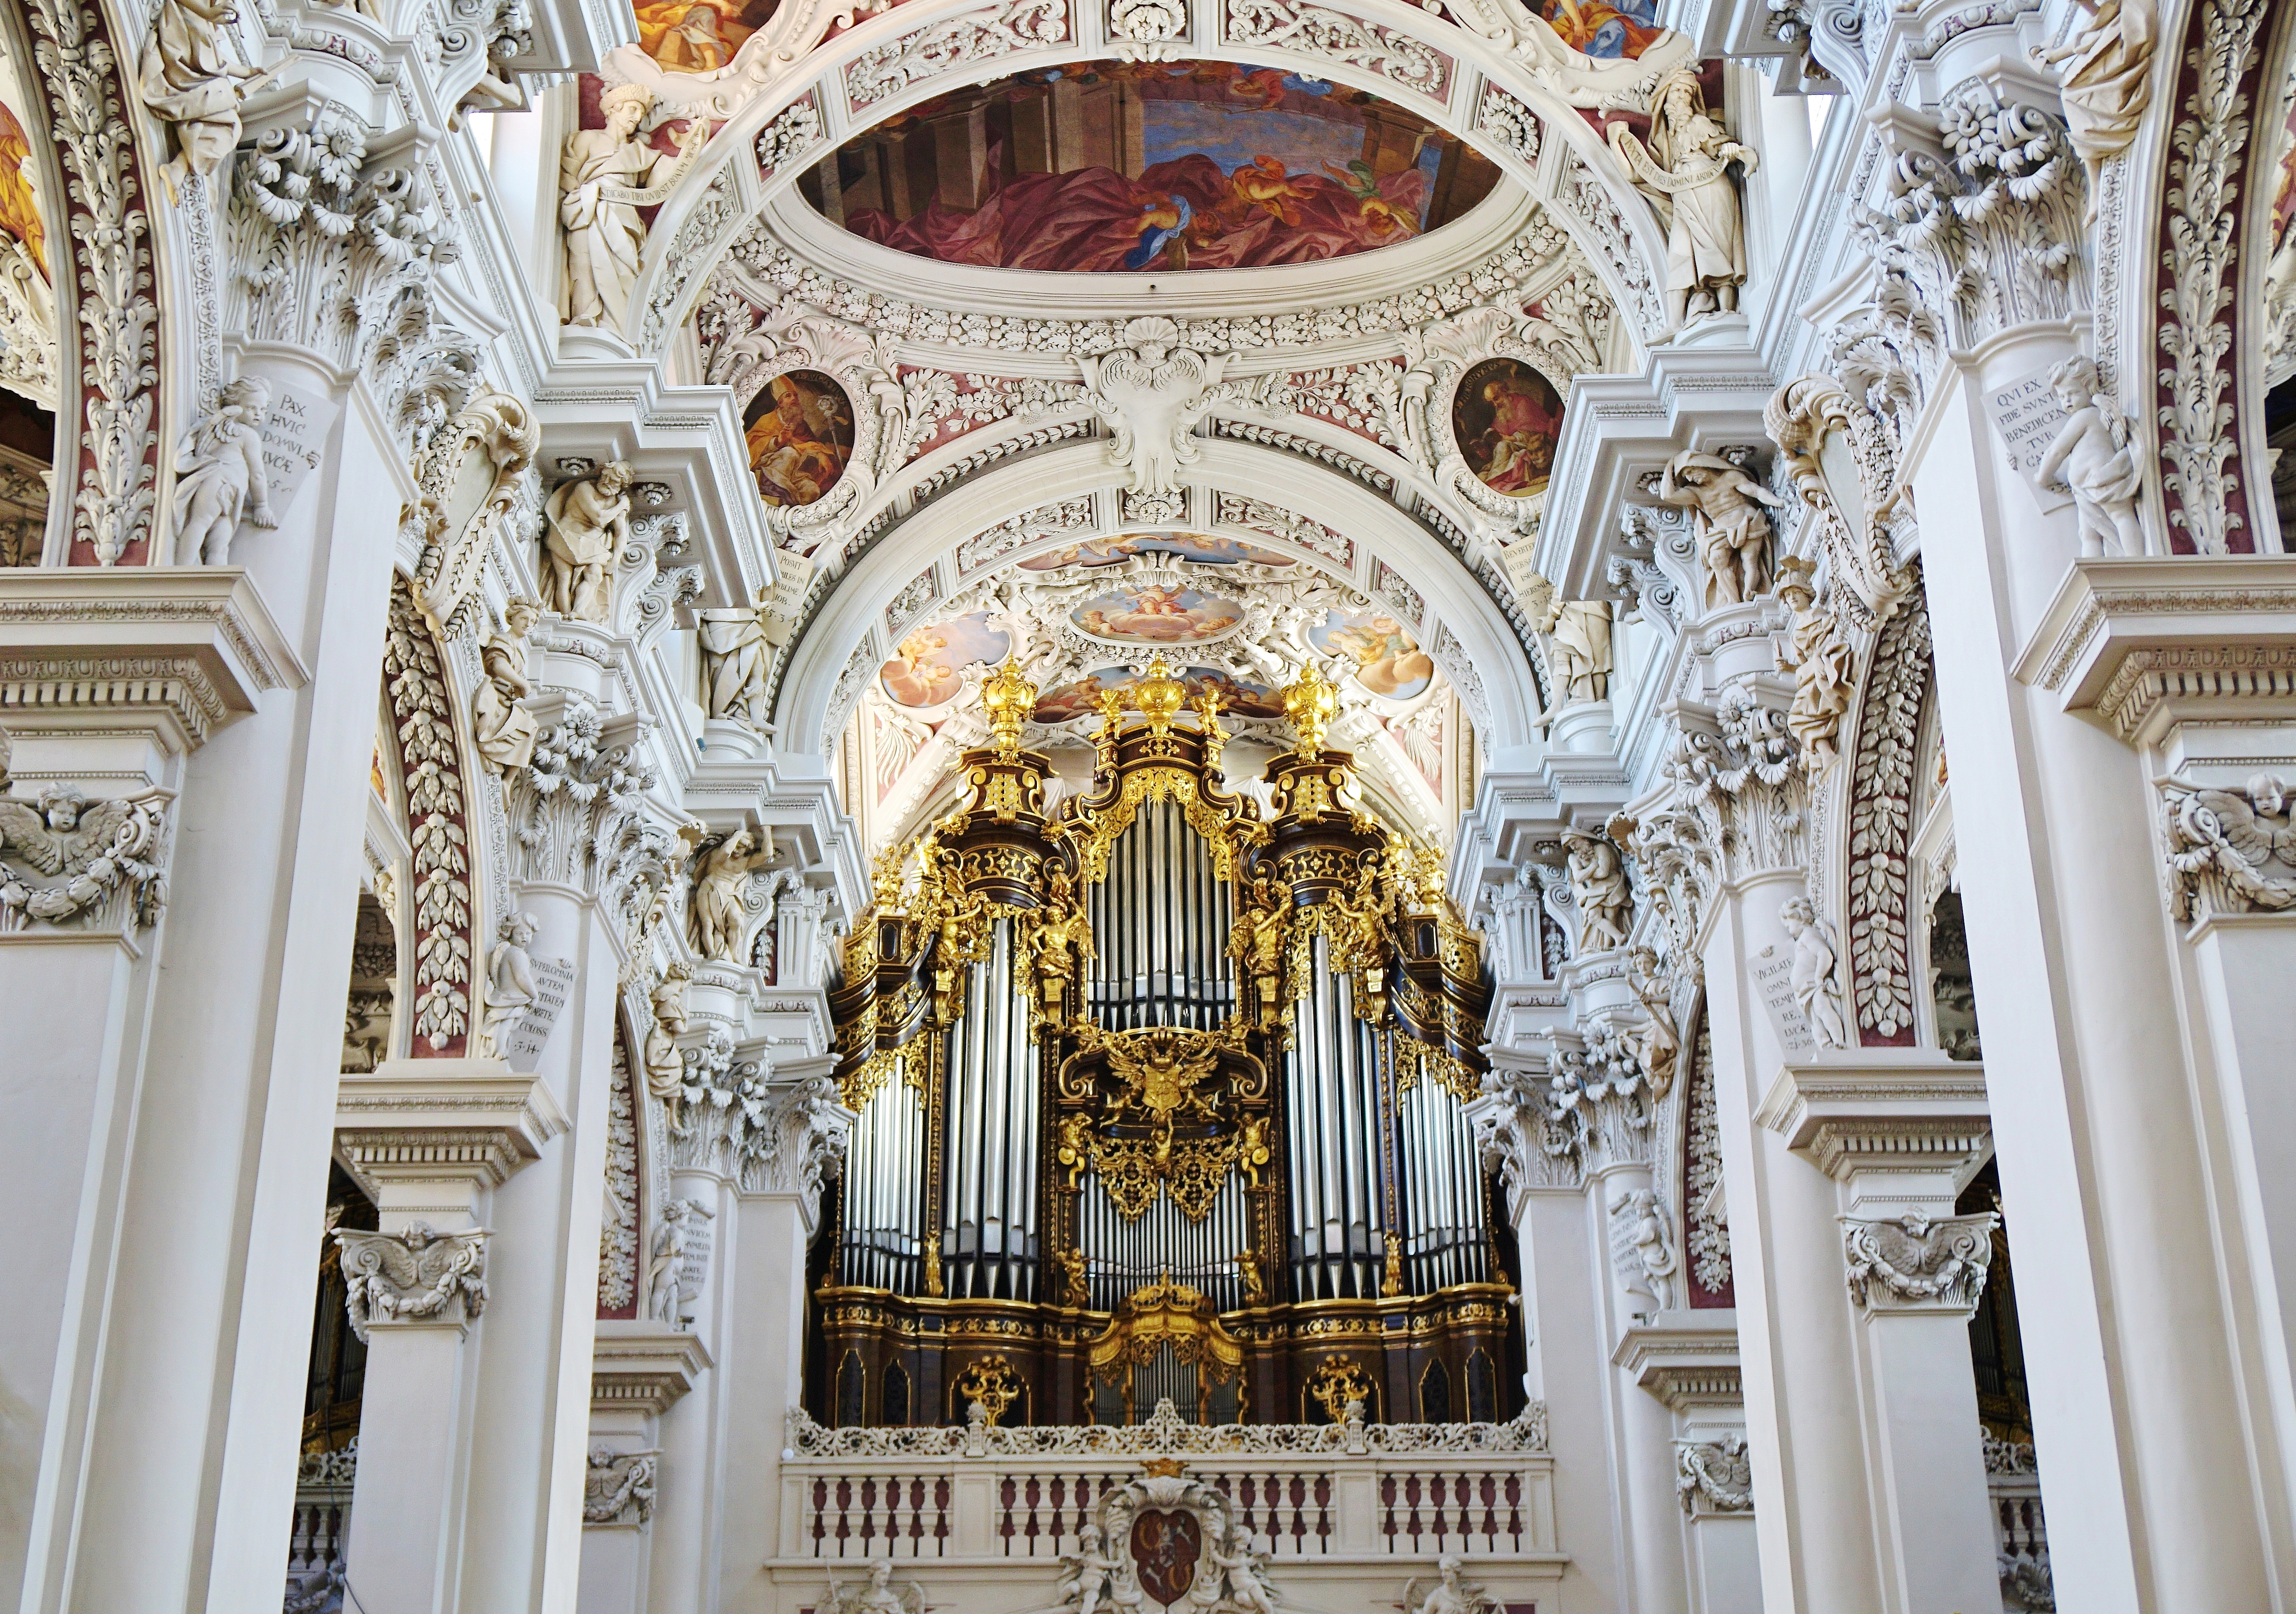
(503, 731)
(1733, 529)
(585, 526)
(719, 887)
(1258, 939)
(1064, 938)
(600, 170)
(1246, 1569)
(1598, 891)
(1685, 172)
(2090, 459)
(418, 1272)
(510, 981)
(1255, 1287)
(1814, 983)
(1076, 1277)
(89, 846)
(219, 473)
(1448, 1591)
(1084, 1584)
(875, 1595)
(665, 1067)
(1823, 666)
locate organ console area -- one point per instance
(1161, 1095)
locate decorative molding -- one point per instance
(105, 248)
(458, 533)
(1915, 1263)
(1163, 1433)
(2230, 850)
(1714, 1476)
(618, 1226)
(706, 223)
(643, 1366)
(420, 1276)
(1298, 28)
(618, 1488)
(1882, 962)
(954, 45)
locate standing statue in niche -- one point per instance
(503, 731)
(1598, 891)
(220, 475)
(1637, 1215)
(666, 1265)
(1577, 638)
(1815, 986)
(1662, 1049)
(600, 174)
(733, 646)
(1685, 172)
(718, 890)
(1733, 529)
(510, 982)
(186, 83)
(2090, 459)
(585, 527)
(2104, 80)
(1824, 668)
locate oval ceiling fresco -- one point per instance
(1381, 654)
(1151, 614)
(1149, 167)
(1185, 546)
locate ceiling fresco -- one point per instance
(1181, 545)
(1149, 167)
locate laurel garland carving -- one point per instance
(1707, 1231)
(110, 229)
(617, 1235)
(430, 765)
(2199, 324)
(1880, 826)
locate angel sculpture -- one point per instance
(1662, 1046)
(415, 1274)
(1083, 1583)
(1448, 1591)
(875, 1595)
(89, 846)
(2223, 846)
(1814, 983)
(1246, 1569)
(510, 982)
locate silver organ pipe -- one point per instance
(1442, 1190)
(1126, 1255)
(1332, 1116)
(1160, 920)
(988, 1219)
(884, 1191)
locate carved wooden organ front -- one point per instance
(1161, 1095)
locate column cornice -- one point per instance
(1892, 1109)
(473, 1122)
(1686, 1359)
(180, 651)
(642, 1365)
(2142, 644)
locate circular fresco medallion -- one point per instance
(1506, 417)
(799, 429)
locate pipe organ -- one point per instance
(1161, 1095)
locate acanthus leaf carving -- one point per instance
(1857, 527)
(1319, 30)
(953, 44)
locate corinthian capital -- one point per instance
(1987, 225)
(1912, 1263)
(769, 1136)
(1745, 786)
(578, 813)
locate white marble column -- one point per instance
(1811, 1513)
(196, 1298)
(1901, 1132)
(73, 1048)
(1642, 1429)
(642, 1369)
(1686, 1362)
(430, 1141)
(2161, 1469)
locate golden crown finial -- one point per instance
(1309, 705)
(1009, 700)
(1158, 696)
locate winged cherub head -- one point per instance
(61, 806)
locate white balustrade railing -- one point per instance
(2020, 1541)
(984, 1494)
(320, 1524)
